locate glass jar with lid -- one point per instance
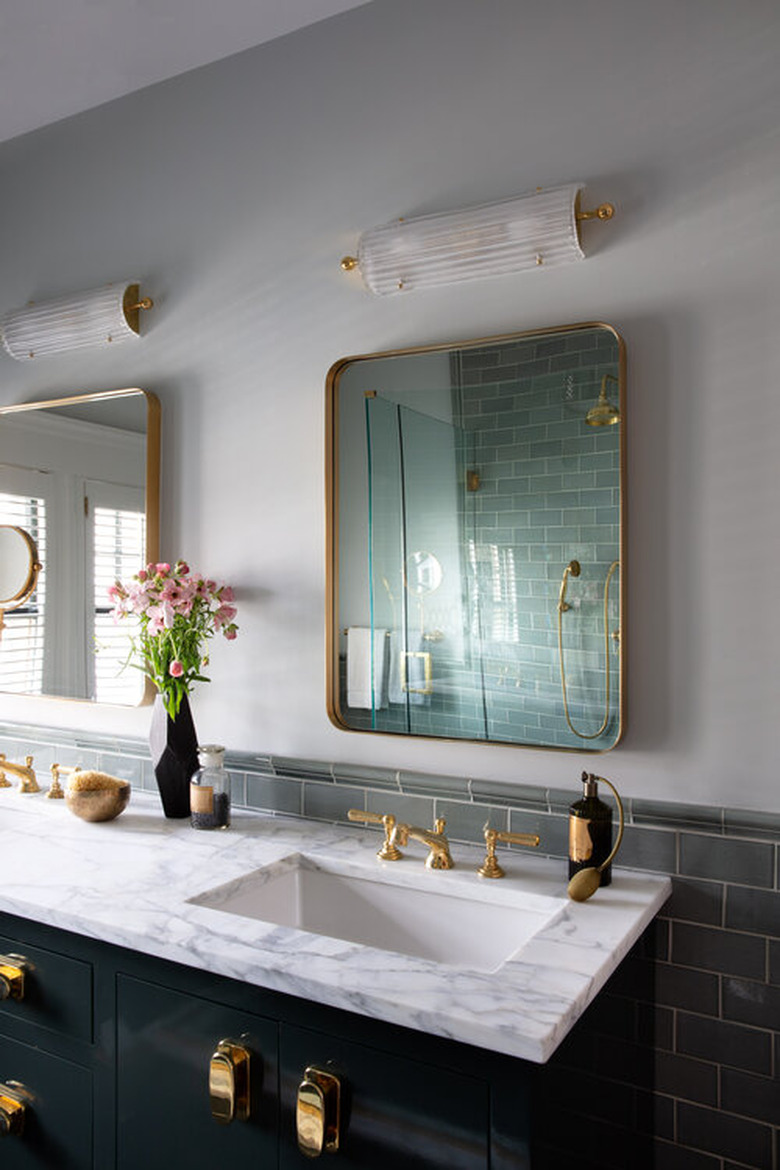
(210, 790)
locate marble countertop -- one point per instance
(131, 882)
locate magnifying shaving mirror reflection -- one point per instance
(19, 569)
(476, 540)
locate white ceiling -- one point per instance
(59, 57)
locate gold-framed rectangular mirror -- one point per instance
(476, 540)
(81, 476)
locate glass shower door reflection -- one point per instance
(416, 574)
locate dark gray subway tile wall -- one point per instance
(676, 1066)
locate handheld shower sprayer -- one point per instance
(573, 569)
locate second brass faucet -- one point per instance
(439, 855)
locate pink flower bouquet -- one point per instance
(178, 612)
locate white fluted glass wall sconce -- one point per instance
(530, 231)
(101, 316)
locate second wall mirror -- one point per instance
(476, 540)
(79, 476)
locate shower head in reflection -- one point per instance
(603, 413)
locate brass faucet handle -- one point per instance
(490, 867)
(389, 850)
(55, 789)
(29, 782)
(4, 781)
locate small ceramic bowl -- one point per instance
(98, 804)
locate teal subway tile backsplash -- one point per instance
(357, 774)
(330, 802)
(747, 863)
(426, 784)
(303, 769)
(415, 810)
(273, 794)
(466, 822)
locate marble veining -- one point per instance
(132, 882)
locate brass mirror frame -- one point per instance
(151, 483)
(332, 529)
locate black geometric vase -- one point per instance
(174, 747)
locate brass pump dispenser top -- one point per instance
(590, 785)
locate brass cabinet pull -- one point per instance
(317, 1116)
(12, 973)
(12, 1109)
(229, 1083)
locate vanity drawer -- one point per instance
(165, 1043)
(394, 1111)
(57, 1125)
(57, 991)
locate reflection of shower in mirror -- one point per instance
(573, 569)
(458, 491)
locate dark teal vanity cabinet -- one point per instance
(111, 1053)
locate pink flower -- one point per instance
(162, 568)
(141, 575)
(156, 623)
(226, 594)
(230, 632)
(176, 592)
(138, 599)
(176, 670)
(182, 568)
(224, 614)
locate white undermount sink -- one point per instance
(475, 927)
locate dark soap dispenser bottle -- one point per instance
(590, 830)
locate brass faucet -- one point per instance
(439, 855)
(24, 771)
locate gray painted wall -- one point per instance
(234, 190)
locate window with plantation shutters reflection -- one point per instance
(116, 542)
(22, 660)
